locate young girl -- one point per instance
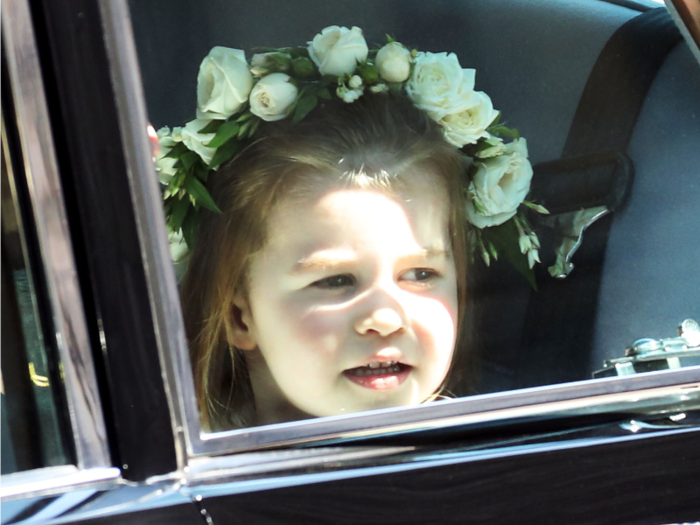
(331, 277)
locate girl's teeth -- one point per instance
(385, 364)
(377, 371)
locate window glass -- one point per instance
(372, 276)
(31, 376)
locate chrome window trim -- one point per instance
(646, 393)
(150, 223)
(55, 480)
(56, 255)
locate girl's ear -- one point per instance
(239, 327)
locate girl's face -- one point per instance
(352, 303)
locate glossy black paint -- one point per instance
(650, 480)
(84, 121)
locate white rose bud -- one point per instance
(469, 125)
(272, 97)
(223, 84)
(379, 88)
(394, 62)
(195, 141)
(495, 147)
(439, 85)
(165, 166)
(500, 186)
(355, 82)
(337, 50)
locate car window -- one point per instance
(32, 429)
(613, 294)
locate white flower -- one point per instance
(394, 62)
(524, 243)
(165, 166)
(337, 50)
(496, 147)
(469, 125)
(499, 186)
(223, 84)
(348, 95)
(272, 97)
(533, 256)
(355, 82)
(379, 88)
(195, 141)
(439, 85)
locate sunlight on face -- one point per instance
(353, 302)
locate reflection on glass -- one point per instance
(31, 435)
(369, 238)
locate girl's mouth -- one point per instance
(379, 376)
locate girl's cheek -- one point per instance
(323, 322)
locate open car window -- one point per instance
(615, 283)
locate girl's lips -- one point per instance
(379, 378)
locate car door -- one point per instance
(532, 438)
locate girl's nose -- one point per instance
(383, 321)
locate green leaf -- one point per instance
(188, 159)
(504, 238)
(201, 196)
(496, 120)
(504, 132)
(224, 153)
(190, 227)
(327, 80)
(212, 127)
(177, 151)
(178, 212)
(244, 129)
(254, 127)
(537, 207)
(226, 131)
(324, 93)
(244, 117)
(304, 107)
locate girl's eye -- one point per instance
(421, 275)
(334, 282)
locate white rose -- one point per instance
(195, 141)
(394, 62)
(500, 186)
(337, 50)
(469, 125)
(223, 84)
(439, 85)
(272, 97)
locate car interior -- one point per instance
(633, 275)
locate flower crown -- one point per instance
(234, 96)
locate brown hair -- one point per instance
(369, 142)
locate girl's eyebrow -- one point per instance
(333, 258)
(324, 259)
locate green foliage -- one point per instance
(304, 106)
(504, 239)
(190, 226)
(224, 153)
(212, 127)
(200, 194)
(225, 132)
(503, 131)
(303, 67)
